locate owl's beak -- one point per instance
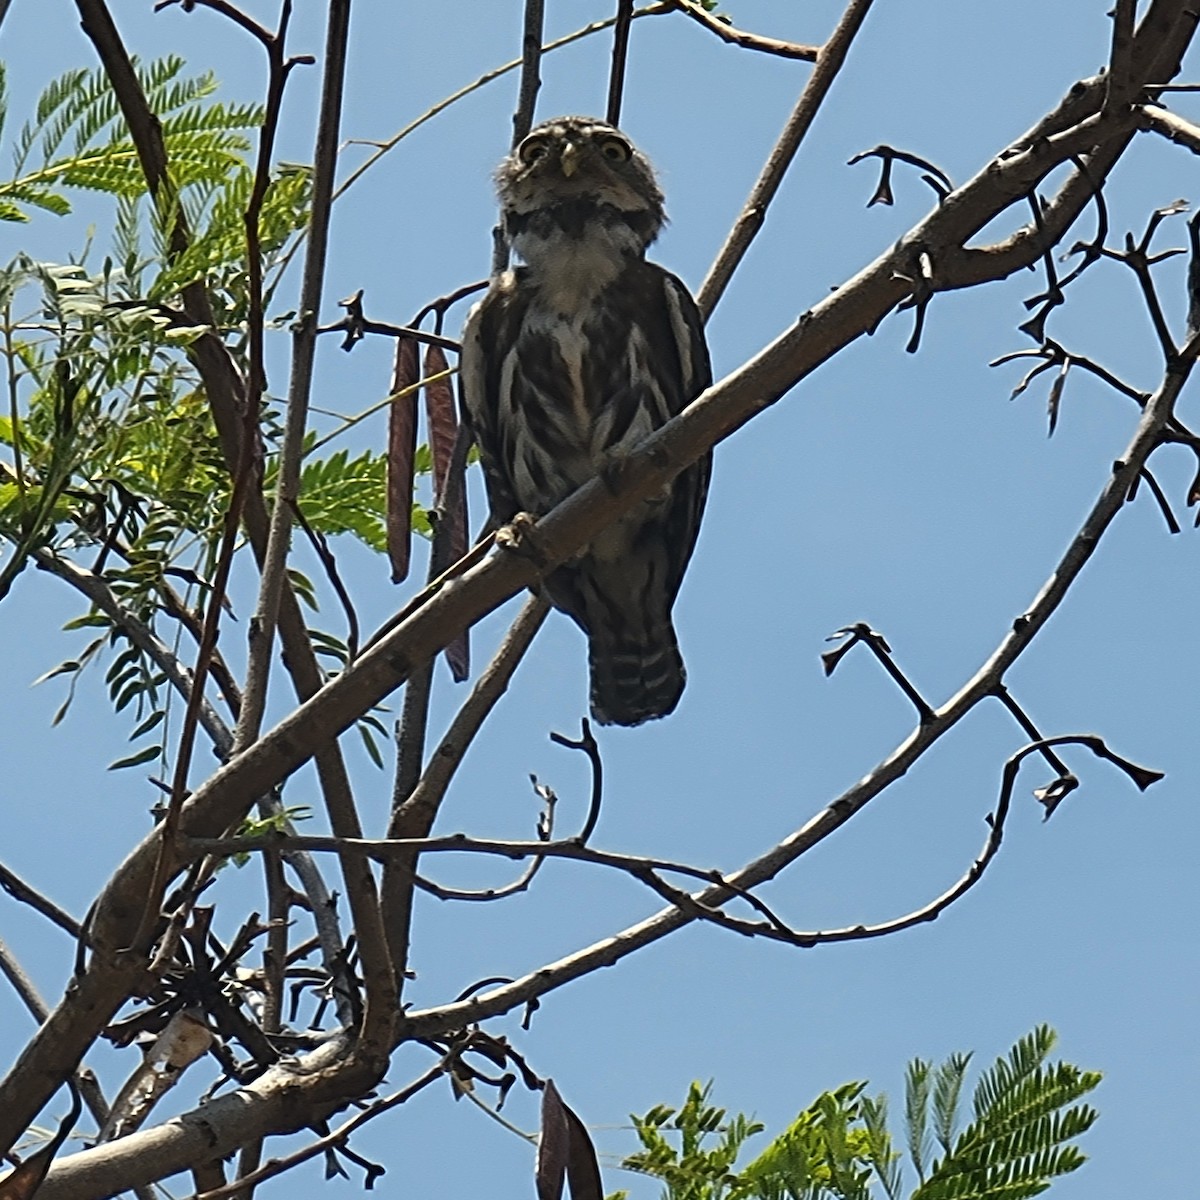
(569, 159)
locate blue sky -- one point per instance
(907, 491)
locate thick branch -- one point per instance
(432, 1022)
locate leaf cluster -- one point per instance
(112, 456)
(1025, 1120)
(77, 139)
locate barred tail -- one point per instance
(637, 674)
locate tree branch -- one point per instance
(1171, 126)
(754, 213)
(431, 1022)
(748, 41)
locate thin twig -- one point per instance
(1023, 719)
(25, 893)
(417, 814)
(98, 592)
(620, 56)
(862, 633)
(259, 32)
(1160, 497)
(287, 487)
(527, 90)
(320, 545)
(754, 213)
(349, 422)
(748, 41)
(587, 743)
(336, 1138)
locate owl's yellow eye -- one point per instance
(615, 149)
(532, 149)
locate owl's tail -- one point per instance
(637, 673)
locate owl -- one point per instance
(572, 358)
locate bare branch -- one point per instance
(587, 743)
(829, 62)
(355, 325)
(416, 815)
(875, 642)
(620, 55)
(982, 683)
(1023, 719)
(934, 176)
(1120, 84)
(748, 41)
(337, 1138)
(531, 61)
(1171, 126)
(262, 624)
(25, 893)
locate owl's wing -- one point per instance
(488, 336)
(679, 378)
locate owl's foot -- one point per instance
(613, 468)
(520, 536)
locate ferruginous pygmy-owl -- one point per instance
(571, 358)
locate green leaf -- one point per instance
(369, 742)
(145, 755)
(947, 1087)
(917, 1087)
(154, 719)
(1018, 1141)
(63, 668)
(340, 494)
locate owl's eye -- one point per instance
(615, 149)
(532, 149)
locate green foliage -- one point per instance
(826, 1151)
(1024, 1117)
(340, 494)
(279, 822)
(115, 442)
(691, 1172)
(839, 1147)
(78, 140)
(113, 462)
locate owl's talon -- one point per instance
(520, 536)
(613, 468)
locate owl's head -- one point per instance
(574, 168)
